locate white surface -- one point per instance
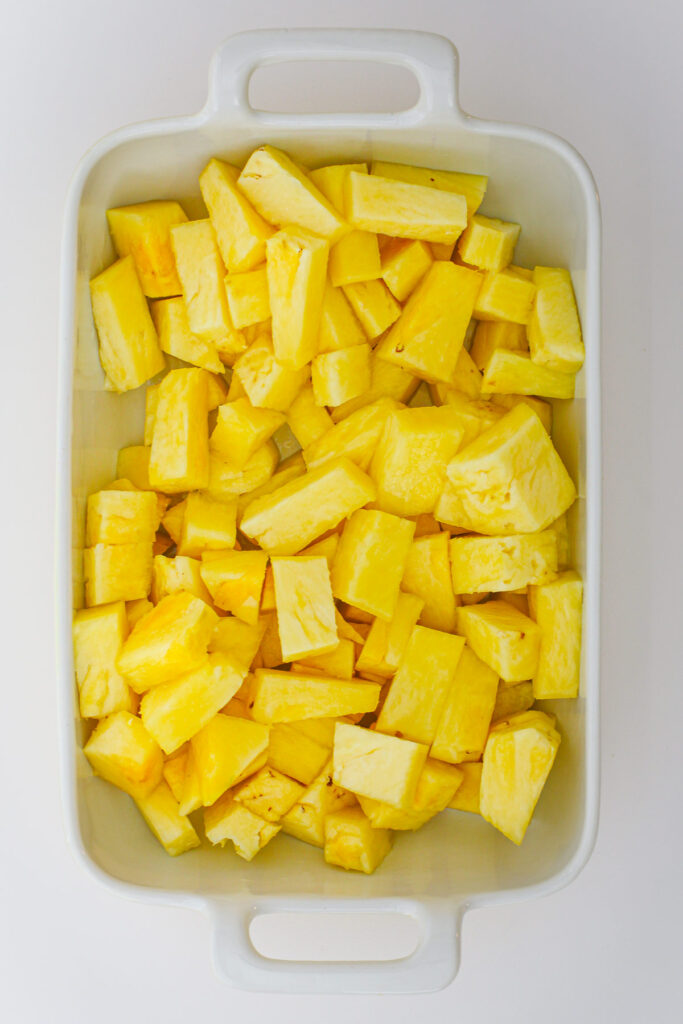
(608, 80)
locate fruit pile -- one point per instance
(326, 593)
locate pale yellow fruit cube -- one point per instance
(556, 607)
(516, 373)
(561, 528)
(172, 520)
(132, 464)
(428, 336)
(354, 437)
(509, 480)
(307, 420)
(474, 415)
(241, 429)
(305, 606)
(207, 525)
(268, 383)
(136, 610)
(327, 547)
(143, 231)
(288, 469)
(226, 482)
(543, 410)
(331, 181)
(490, 335)
(248, 298)
(503, 637)
(370, 561)
(404, 264)
(121, 751)
(339, 325)
(340, 376)
(466, 377)
(176, 338)
(174, 771)
(240, 232)
(373, 305)
(278, 696)
(505, 295)
(98, 635)
(179, 457)
(519, 755)
(397, 208)
(189, 798)
(422, 685)
(235, 581)
(226, 750)
(296, 754)
(352, 843)
(441, 250)
(386, 381)
(174, 830)
(170, 575)
(117, 572)
(483, 564)
(129, 347)
(306, 818)
(229, 820)
(555, 339)
(427, 574)
(354, 258)
(467, 794)
(471, 186)
(296, 269)
(381, 767)
(338, 662)
(238, 639)
(510, 700)
(386, 641)
(121, 517)
(466, 713)
(436, 787)
(269, 794)
(517, 598)
(488, 243)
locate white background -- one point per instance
(607, 76)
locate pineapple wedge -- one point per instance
(556, 607)
(436, 787)
(352, 843)
(307, 420)
(386, 381)
(238, 639)
(121, 517)
(507, 295)
(339, 325)
(466, 715)
(306, 818)
(179, 457)
(229, 820)
(554, 329)
(509, 372)
(117, 572)
(143, 231)
(355, 258)
(174, 830)
(370, 561)
(331, 181)
(235, 581)
(240, 232)
(226, 482)
(226, 751)
(355, 437)
(404, 264)
(471, 186)
(373, 305)
(296, 269)
(503, 637)
(305, 606)
(248, 298)
(340, 376)
(428, 575)
(136, 610)
(483, 564)
(121, 751)
(381, 767)
(467, 794)
(338, 663)
(98, 635)
(278, 696)
(397, 208)
(176, 338)
(490, 335)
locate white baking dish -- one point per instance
(457, 861)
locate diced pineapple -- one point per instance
(354, 258)
(121, 751)
(117, 572)
(216, 389)
(556, 607)
(307, 420)
(355, 437)
(225, 751)
(386, 641)
(207, 525)
(191, 797)
(422, 685)
(489, 336)
(179, 458)
(516, 598)
(229, 820)
(332, 179)
(515, 373)
(543, 410)
(151, 402)
(268, 383)
(428, 575)
(509, 480)
(503, 637)
(370, 560)
(296, 754)
(428, 336)
(170, 640)
(305, 606)
(510, 700)
(121, 517)
(171, 575)
(348, 630)
(386, 381)
(226, 482)
(482, 564)
(409, 463)
(278, 696)
(241, 429)
(136, 610)
(240, 232)
(268, 592)
(143, 232)
(98, 635)
(238, 639)
(352, 843)
(235, 581)
(554, 329)
(519, 755)
(285, 521)
(338, 663)
(288, 469)
(467, 794)
(442, 250)
(473, 415)
(436, 787)
(488, 243)
(174, 771)
(397, 208)
(327, 547)
(471, 186)
(248, 298)
(340, 376)
(173, 519)
(404, 264)
(381, 767)
(176, 338)
(466, 714)
(269, 653)
(269, 794)
(374, 306)
(297, 265)
(506, 295)
(339, 325)
(561, 528)
(306, 818)
(129, 347)
(174, 830)
(133, 464)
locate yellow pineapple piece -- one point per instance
(278, 696)
(436, 787)
(465, 717)
(136, 610)
(297, 265)
(305, 606)
(179, 458)
(238, 639)
(283, 194)
(370, 560)
(133, 464)
(510, 372)
(556, 607)
(241, 429)
(176, 338)
(428, 575)
(143, 231)
(503, 637)
(296, 754)
(355, 437)
(170, 640)
(307, 420)
(207, 525)
(248, 298)
(285, 521)
(441, 250)
(489, 336)
(338, 662)
(352, 843)
(505, 295)
(305, 820)
(216, 389)
(354, 258)
(151, 402)
(347, 630)
(381, 767)
(229, 820)
(288, 469)
(561, 528)
(467, 794)
(517, 760)
(404, 264)
(235, 581)
(189, 797)
(471, 186)
(386, 641)
(121, 517)
(129, 347)
(509, 480)
(172, 520)
(170, 575)
(340, 376)
(268, 794)
(397, 208)
(121, 751)
(226, 482)
(240, 232)
(386, 381)
(117, 572)
(327, 547)
(543, 410)
(339, 325)
(174, 771)
(428, 337)
(517, 598)
(174, 830)
(268, 592)
(98, 635)
(331, 181)
(226, 750)
(554, 329)
(421, 686)
(373, 305)
(488, 243)
(483, 564)
(409, 462)
(268, 383)
(510, 700)
(473, 415)
(466, 377)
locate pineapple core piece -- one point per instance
(305, 820)
(173, 829)
(279, 696)
(381, 767)
(503, 637)
(229, 820)
(98, 635)
(466, 713)
(240, 232)
(428, 575)
(484, 564)
(179, 459)
(370, 560)
(352, 843)
(554, 329)
(305, 606)
(467, 794)
(227, 750)
(143, 231)
(296, 269)
(435, 789)
(556, 607)
(121, 751)
(405, 210)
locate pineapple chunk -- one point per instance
(174, 771)
(285, 521)
(561, 528)
(339, 325)
(226, 482)
(179, 458)
(386, 381)
(331, 181)
(510, 372)
(471, 186)
(240, 232)
(306, 818)
(489, 336)
(404, 264)
(248, 298)
(305, 606)
(519, 755)
(556, 607)
(132, 464)
(466, 715)
(191, 797)
(442, 250)
(466, 377)
(174, 830)
(355, 258)
(98, 635)
(507, 295)
(238, 639)
(121, 517)
(374, 306)
(268, 592)
(503, 637)
(488, 243)
(348, 630)
(226, 750)
(207, 525)
(176, 338)
(288, 469)
(269, 653)
(428, 336)
(355, 437)
(517, 598)
(340, 376)
(268, 384)
(370, 560)
(241, 429)
(180, 573)
(510, 700)
(386, 641)
(428, 575)
(338, 662)
(136, 610)
(151, 403)
(397, 208)
(554, 329)
(278, 696)
(296, 754)
(229, 820)
(268, 794)
(409, 463)
(381, 767)
(509, 480)
(117, 572)
(129, 347)
(307, 420)
(436, 787)
(327, 547)
(216, 389)
(467, 794)
(235, 581)
(121, 751)
(483, 564)
(352, 843)
(422, 685)
(173, 520)
(169, 641)
(297, 265)
(543, 410)
(143, 231)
